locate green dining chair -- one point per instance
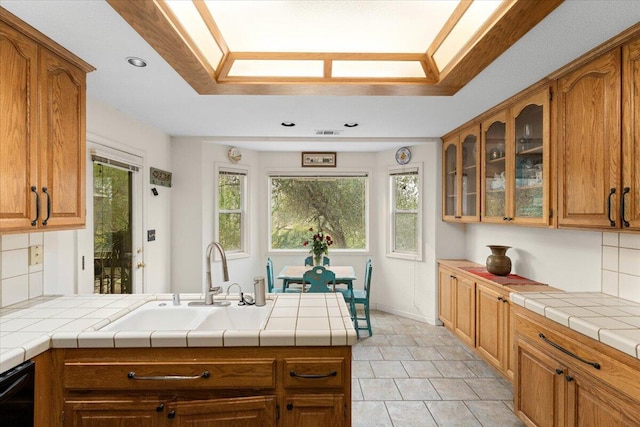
(360, 297)
(319, 279)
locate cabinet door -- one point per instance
(589, 144)
(232, 412)
(117, 412)
(530, 180)
(470, 177)
(450, 190)
(465, 310)
(18, 130)
(489, 333)
(314, 411)
(590, 404)
(62, 142)
(539, 387)
(495, 155)
(446, 290)
(631, 136)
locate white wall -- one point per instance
(192, 215)
(566, 259)
(406, 287)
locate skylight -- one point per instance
(280, 45)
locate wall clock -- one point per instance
(234, 155)
(403, 156)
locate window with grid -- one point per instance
(405, 213)
(232, 210)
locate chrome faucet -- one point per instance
(211, 290)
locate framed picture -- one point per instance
(319, 160)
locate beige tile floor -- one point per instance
(413, 374)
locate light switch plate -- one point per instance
(35, 255)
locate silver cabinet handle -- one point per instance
(313, 376)
(132, 376)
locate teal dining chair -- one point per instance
(325, 261)
(271, 287)
(360, 297)
(319, 279)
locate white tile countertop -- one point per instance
(30, 328)
(611, 320)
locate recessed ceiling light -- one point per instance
(288, 124)
(136, 62)
(350, 125)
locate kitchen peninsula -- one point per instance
(297, 366)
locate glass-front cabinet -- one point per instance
(494, 165)
(461, 176)
(515, 160)
(531, 168)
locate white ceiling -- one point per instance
(158, 96)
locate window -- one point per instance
(232, 209)
(406, 218)
(334, 204)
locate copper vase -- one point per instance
(498, 263)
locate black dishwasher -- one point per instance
(16, 396)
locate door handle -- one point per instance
(46, 191)
(611, 193)
(140, 264)
(34, 222)
(625, 191)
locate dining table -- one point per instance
(345, 274)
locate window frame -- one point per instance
(343, 173)
(243, 211)
(392, 252)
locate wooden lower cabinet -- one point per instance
(446, 290)
(552, 387)
(493, 328)
(122, 413)
(456, 303)
(465, 325)
(314, 410)
(194, 387)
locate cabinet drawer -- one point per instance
(614, 367)
(152, 375)
(314, 372)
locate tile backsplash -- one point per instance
(621, 265)
(18, 280)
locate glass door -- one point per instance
(112, 222)
(450, 179)
(470, 174)
(530, 178)
(494, 134)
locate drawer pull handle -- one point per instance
(132, 376)
(567, 352)
(313, 376)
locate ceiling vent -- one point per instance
(328, 132)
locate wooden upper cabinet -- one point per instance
(630, 197)
(461, 176)
(62, 151)
(18, 128)
(589, 144)
(42, 131)
(530, 180)
(496, 171)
